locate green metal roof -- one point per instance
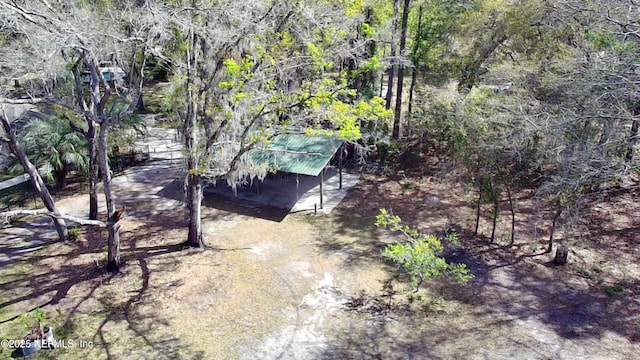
(298, 154)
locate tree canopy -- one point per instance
(531, 92)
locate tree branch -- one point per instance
(66, 105)
(27, 14)
(78, 82)
(77, 129)
(81, 221)
(22, 101)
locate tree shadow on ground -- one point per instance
(244, 208)
(375, 339)
(233, 205)
(531, 286)
(149, 330)
(350, 228)
(70, 277)
(516, 283)
(524, 309)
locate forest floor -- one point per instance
(273, 285)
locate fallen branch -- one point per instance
(81, 221)
(21, 101)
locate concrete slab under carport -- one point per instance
(279, 191)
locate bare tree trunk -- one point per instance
(633, 138)
(193, 188)
(414, 74)
(93, 170)
(556, 216)
(36, 180)
(495, 197)
(81, 221)
(478, 210)
(90, 136)
(414, 70)
(403, 45)
(513, 214)
(562, 253)
(193, 182)
(382, 77)
(194, 204)
(97, 106)
(61, 176)
(113, 228)
(396, 9)
(494, 216)
(367, 79)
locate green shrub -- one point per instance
(74, 233)
(419, 256)
(613, 290)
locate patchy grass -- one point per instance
(614, 290)
(589, 275)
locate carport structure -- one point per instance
(300, 155)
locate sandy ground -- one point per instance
(272, 286)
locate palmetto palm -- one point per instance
(53, 145)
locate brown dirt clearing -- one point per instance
(314, 287)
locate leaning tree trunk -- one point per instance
(396, 9)
(36, 179)
(113, 227)
(472, 69)
(403, 44)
